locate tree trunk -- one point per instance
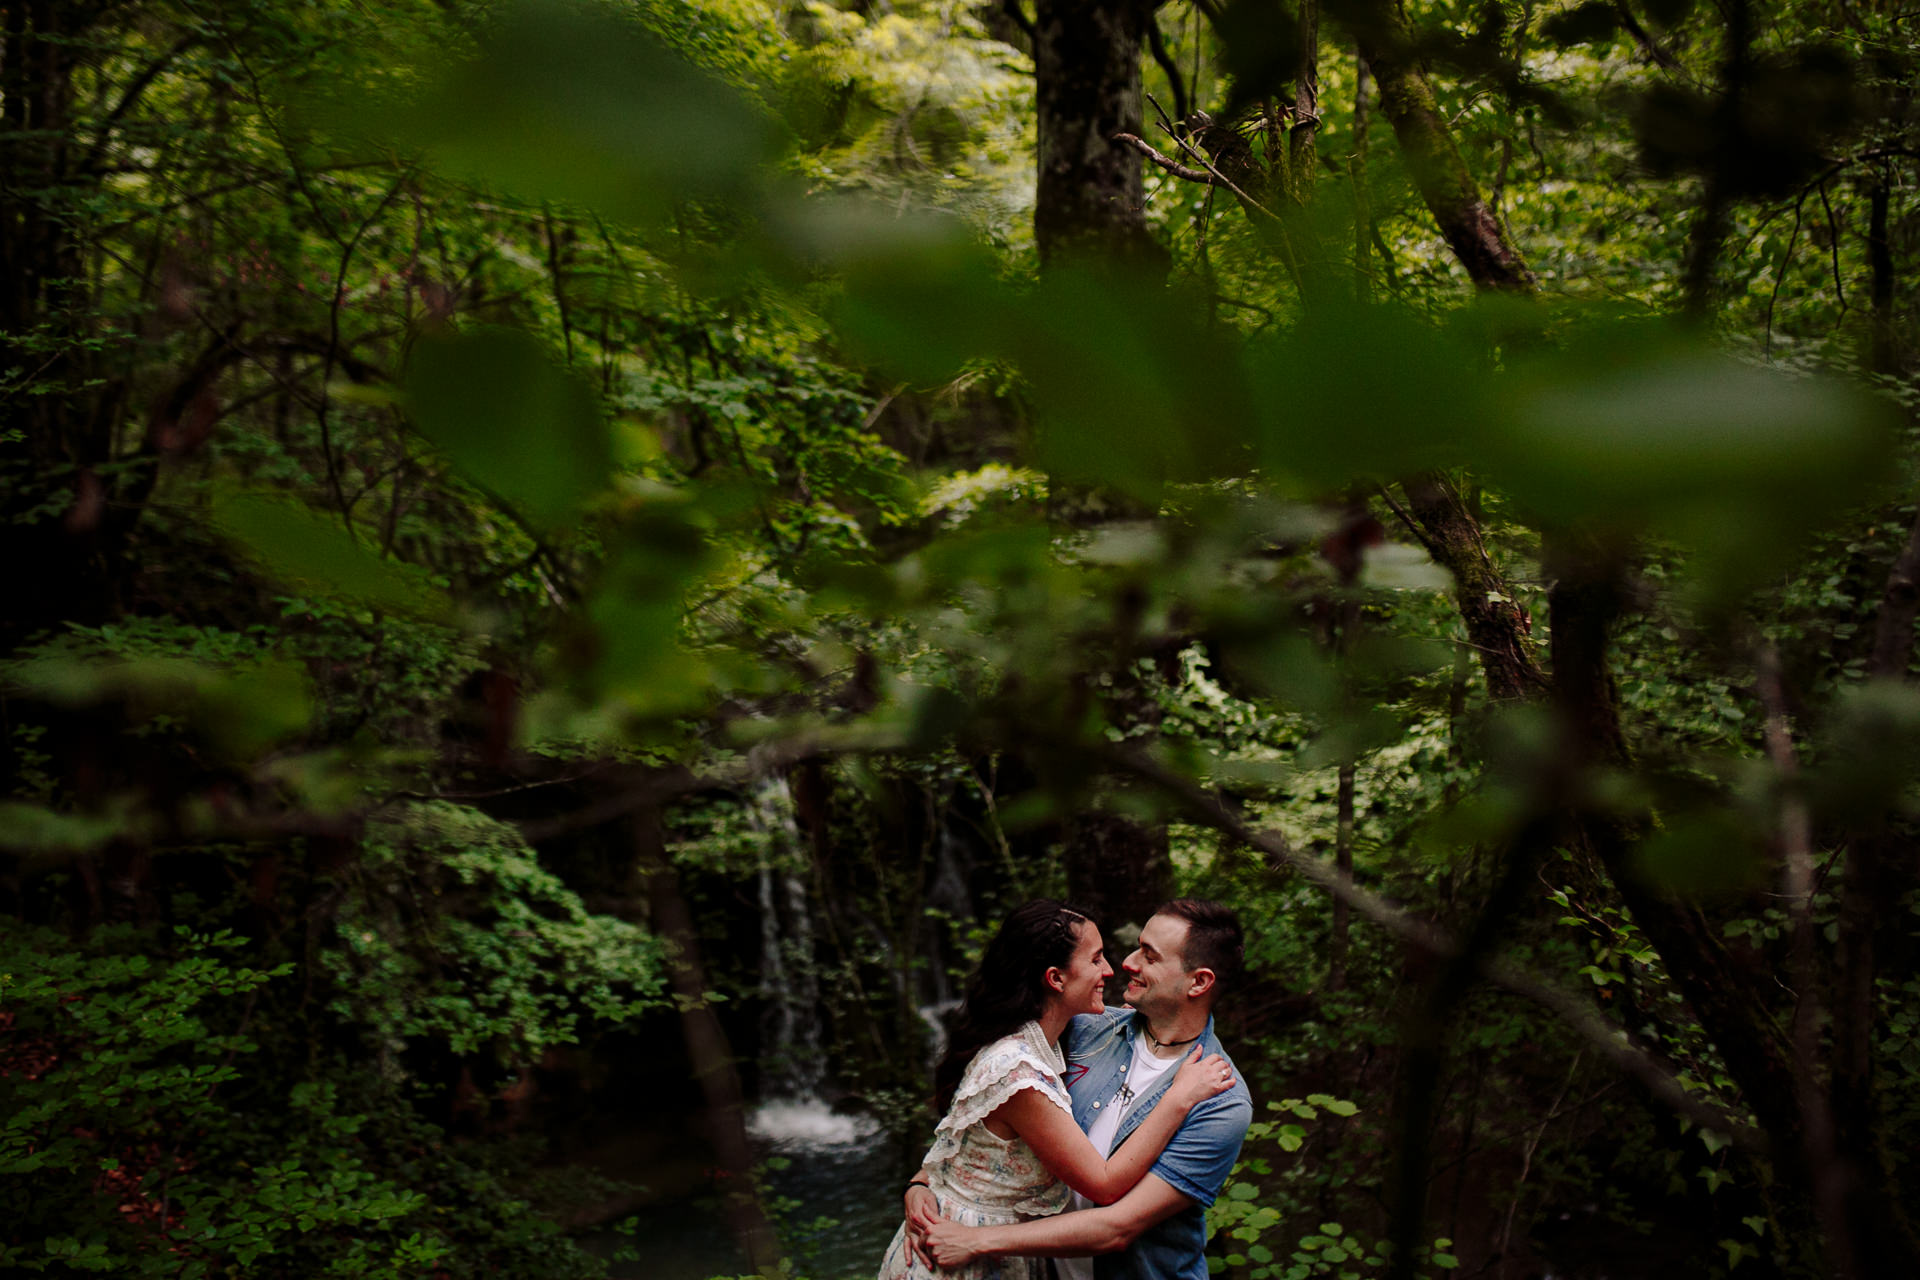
(1089, 202)
(1301, 156)
(1497, 627)
(1885, 352)
(1090, 207)
(1343, 859)
(1727, 1002)
(1445, 183)
(1119, 870)
(56, 425)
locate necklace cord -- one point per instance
(1168, 1044)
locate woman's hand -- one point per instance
(922, 1212)
(1199, 1079)
(949, 1244)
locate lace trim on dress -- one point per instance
(997, 1072)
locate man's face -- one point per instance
(1157, 977)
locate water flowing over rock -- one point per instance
(793, 1063)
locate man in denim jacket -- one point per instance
(1157, 1230)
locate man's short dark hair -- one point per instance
(1214, 938)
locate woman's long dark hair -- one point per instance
(1009, 987)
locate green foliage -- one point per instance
(657, 392)
(137, 1138)
(451, 931)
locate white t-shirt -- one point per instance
(1139, 1079)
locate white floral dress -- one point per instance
(980, 1179)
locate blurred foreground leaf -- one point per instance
(32, 828)
(512, 419)
(240, 713)
(1702, 855)
(577, 102)
(300, 547)
(637, 655)
(1650, 432)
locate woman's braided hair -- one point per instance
(1010, 986)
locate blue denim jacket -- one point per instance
(1099, 1049)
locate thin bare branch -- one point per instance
(1165, 161)
(1199, 155)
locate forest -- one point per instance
(572, 558)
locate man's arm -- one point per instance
(1065, 1235)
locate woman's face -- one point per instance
(1084, 980)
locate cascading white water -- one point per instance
(935, 1016)
(792, 1116)
(793, 1066)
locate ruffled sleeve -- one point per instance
(997, 1072)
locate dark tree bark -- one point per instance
(1884, 352)
(1337, 938)
(1090, 207)
(1090, 199)
(1582, 606)
(1301, 155)
(55, 444)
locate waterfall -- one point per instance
(793, 1065)
(792, 1115)
(947, 890)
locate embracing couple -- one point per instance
(1072, 1129)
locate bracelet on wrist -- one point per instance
(915, 1182)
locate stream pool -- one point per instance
(834, 1183)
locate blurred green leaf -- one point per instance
(1644, 431)
(245, 713)
(637, 655)
(1366, 392)
(299, 546)
(1133, 389)
(512, 419)
(71, 680)
(577, 102)
(922, 308)
(1706, 854)
(240, 713)
(31, 828)
(1870, 753)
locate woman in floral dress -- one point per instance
(1007, 1149)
